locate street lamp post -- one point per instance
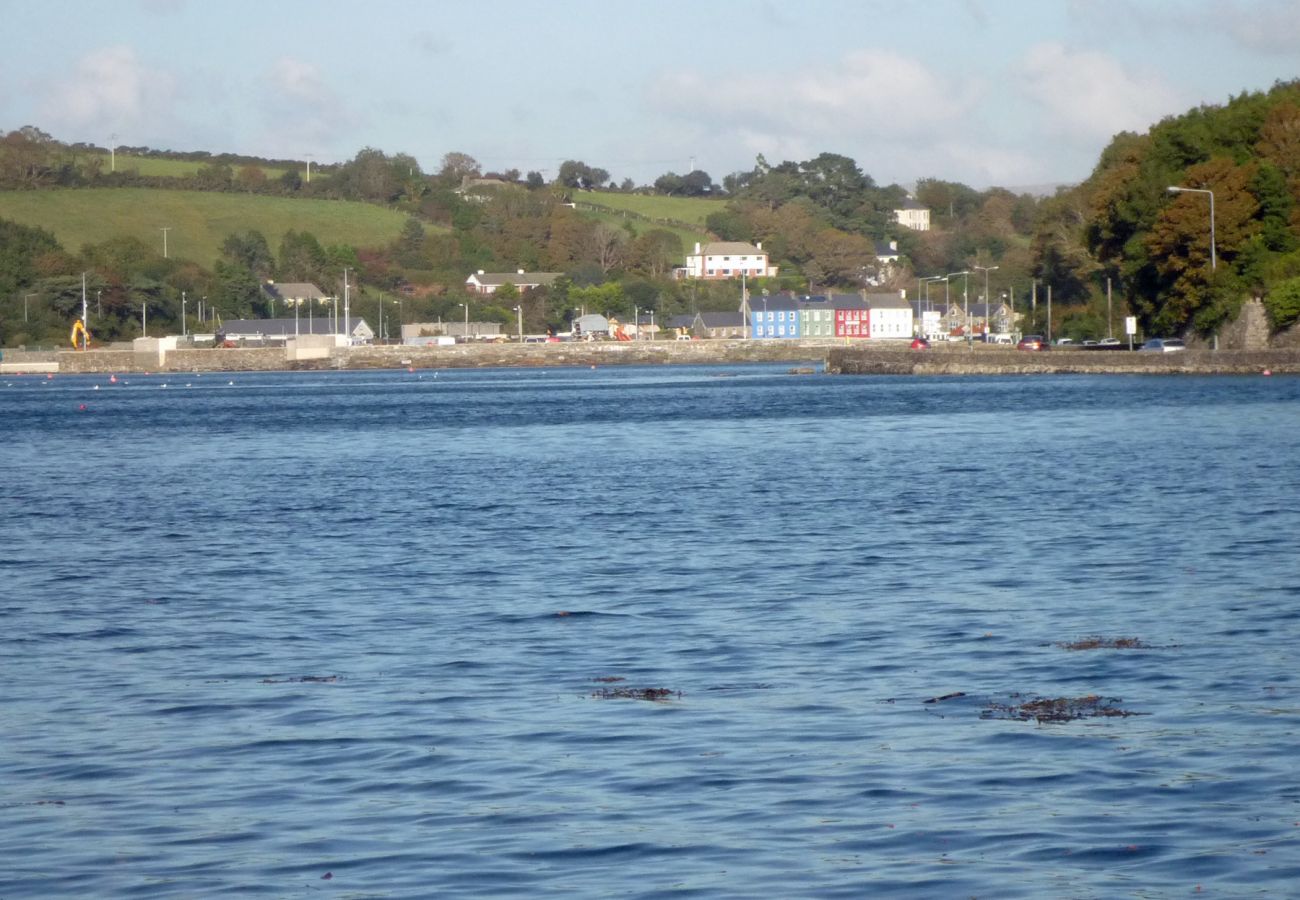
(519, 314)
(964, 297)
(465, 333)
(25, 298)
(1186, 190)
(182, 314)
(988, 315)
(925, 282)
(164, 231)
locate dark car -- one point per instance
(1032, 342)
(920, 343)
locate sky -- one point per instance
(1013, 93)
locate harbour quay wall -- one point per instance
(459, 356)
(983, 360)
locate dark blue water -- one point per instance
(356, 634)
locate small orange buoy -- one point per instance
(112, 379)
(82, 407)
(1268, 371)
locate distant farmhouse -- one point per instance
(913, 215)
(489, 282)
(727, 259)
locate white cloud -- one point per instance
(1088, 95)
(854, 97)
(110, 89)
(1268, 26)
(303, 112)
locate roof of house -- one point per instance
(724, 248)
(887, 301)
(287, 327)
(293, 290)
(910, 203)
(515, 278)
(887, 250)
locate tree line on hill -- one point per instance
(819, 219)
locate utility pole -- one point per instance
(347, 315)
(164, 231)
(85, 338)
(1108, 334)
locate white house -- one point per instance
(488, 282)
(727, 259)
(913, 215)
(891, 316)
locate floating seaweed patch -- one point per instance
(940, 699)
(1104, 643)
(629, 693)
(608, 679)
(305, 679)
(1058, 709)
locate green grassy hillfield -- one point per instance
(198, 221)
(173, 168)
(685, 210)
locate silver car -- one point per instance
(1163, 345)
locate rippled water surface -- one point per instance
(369, 635)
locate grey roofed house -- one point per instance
(293, 291)
(592, 323)
(488, 282)
(890, 300)
(283, 329)
(712, 324)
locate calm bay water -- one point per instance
(347, 633)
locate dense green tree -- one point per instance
(576, 174)
(20, 247)
(301, 257)
(249, 249)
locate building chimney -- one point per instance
(697, 248)
(521, 271)
(759, 245)
(480, 271)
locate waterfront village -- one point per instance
(864, 315)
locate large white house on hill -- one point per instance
(727, 259)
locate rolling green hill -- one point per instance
(688, 211)
(198, 221)
(171, 168)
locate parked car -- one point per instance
(1062, 342)
(920, 343)
(1032, 342)
(1163, 345)
(1108, 342)
(1089, 344)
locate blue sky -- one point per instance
(986, 92)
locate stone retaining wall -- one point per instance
(994, 361)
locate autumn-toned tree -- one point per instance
(1180, 248)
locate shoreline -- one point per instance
(832, 357)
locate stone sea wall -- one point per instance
(837, 357)
(982, 360)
